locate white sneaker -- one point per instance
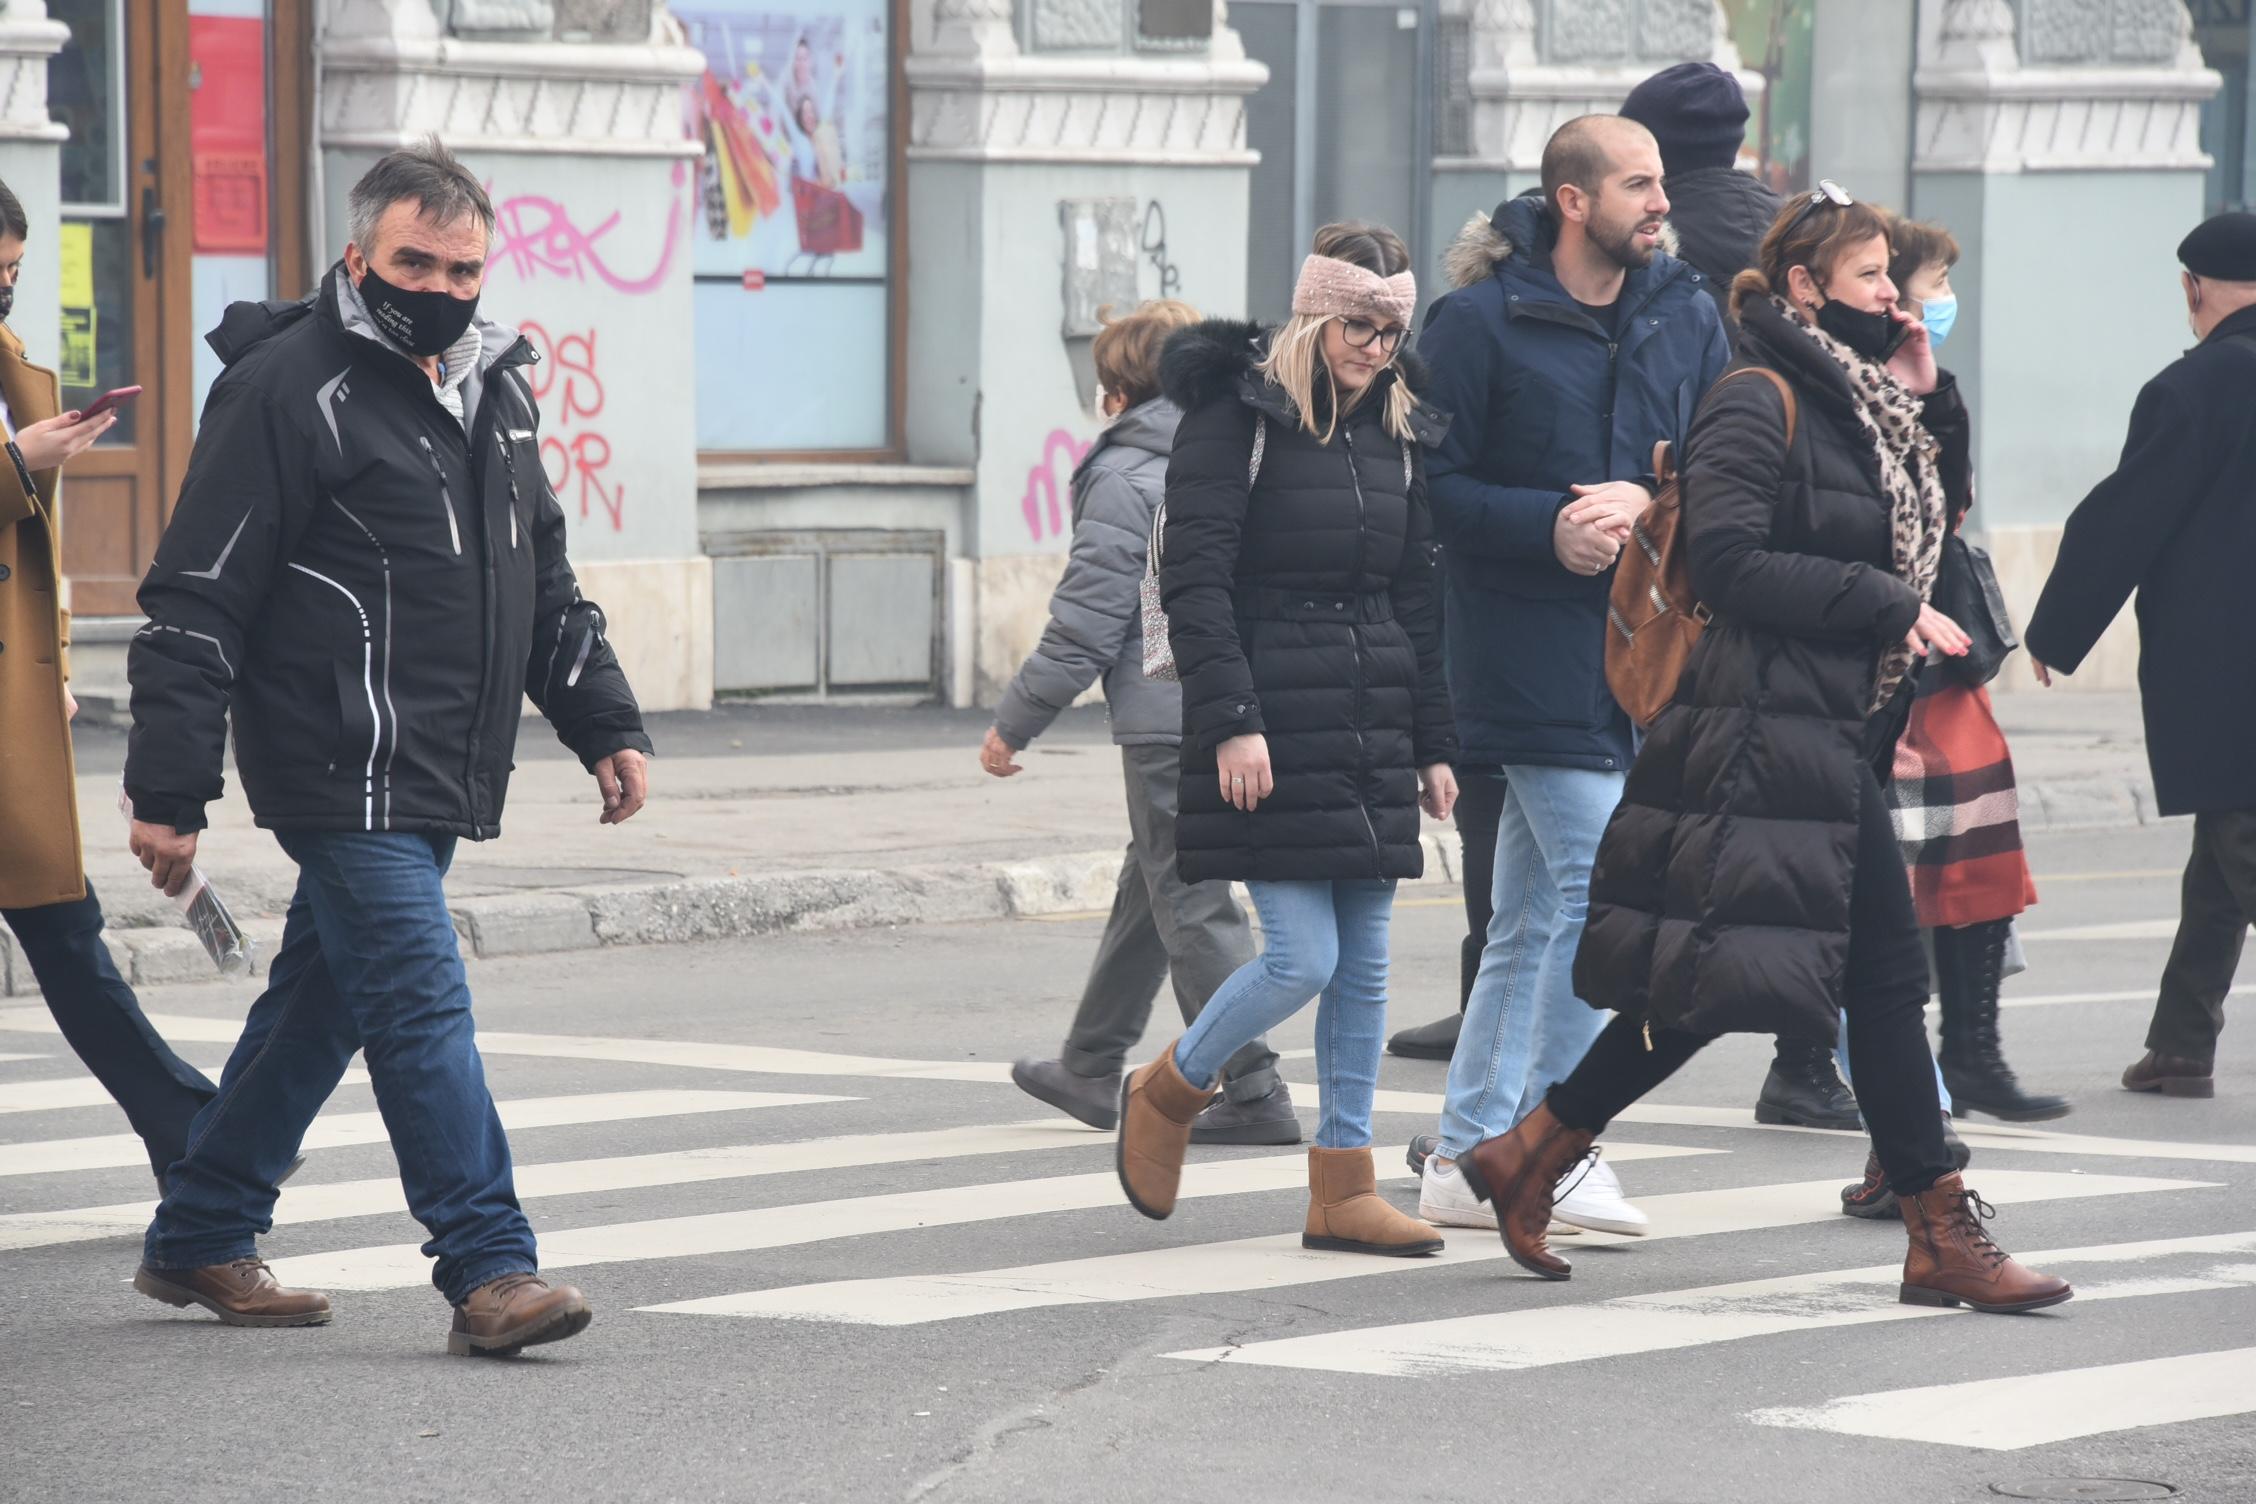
(1589, 1196)
(1445, 1200)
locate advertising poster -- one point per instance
(75, 253)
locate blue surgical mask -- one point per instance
(1940, 315)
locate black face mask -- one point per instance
(1875, 336)
(7, 302)
(422, 323)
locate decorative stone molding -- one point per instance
(390, 77)
(1534, 66)
(28, 39)
(1149, 111)
(2067, 86)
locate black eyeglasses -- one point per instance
(1362, 334)
(1826, 192)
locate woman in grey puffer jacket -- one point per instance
(1161, 926)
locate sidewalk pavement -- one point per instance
(767, 818)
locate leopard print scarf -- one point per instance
(1910, 478)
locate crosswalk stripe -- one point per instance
(2037, 1409)
(1501, 1341)
(1272, 1262)
(5, 1058)
(403, 1266)
(85, 1091)
(368, 1198)
(2122, 929)
(119, 1150)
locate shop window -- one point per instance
(795, 263)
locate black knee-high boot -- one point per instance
(1970, 969)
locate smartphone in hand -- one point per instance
(114, 398)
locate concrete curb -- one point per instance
(727, 908)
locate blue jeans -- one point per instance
(1524, 1027)
(368, 962)
(1841, 1059)
(1325, 940)
(102, 1022)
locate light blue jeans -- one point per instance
(1841, 1059)
(1324, 940)
(1524, 1027)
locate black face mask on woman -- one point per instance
(422, 323)
(1875, 336)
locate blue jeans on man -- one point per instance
(1524, 1027)
(369, 962)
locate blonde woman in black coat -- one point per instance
(1298, 577)
(1751, 880)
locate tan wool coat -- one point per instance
(39, 836)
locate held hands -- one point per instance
(998, 757)
(624, 778)
(169, 855)
(1241, 765)
(1612, 508)
(1938, 633)
(1913, 364)
(47, 445)
(1585, 548)
(1437, 790)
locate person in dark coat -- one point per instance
(1297, 573)
(1751, 880)
(1571, 345)
(1161, 927)
(2177, 523)
(1698, 113)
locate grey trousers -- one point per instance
(1161, 927)
(2217, 904)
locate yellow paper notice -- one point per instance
(77, 265)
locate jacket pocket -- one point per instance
(354, 753)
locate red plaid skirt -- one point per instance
(1957, 812)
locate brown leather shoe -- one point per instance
(1517, 1174)
(517, 1310)
(242, 1293)
(2171, 1075)
(1346, 1214)
(1157, 1109)
(1952, 1260)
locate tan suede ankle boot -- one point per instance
(1346, 1214)
(1157, 1109)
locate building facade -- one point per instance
(814, 281)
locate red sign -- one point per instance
(755, 280)
(227, 133)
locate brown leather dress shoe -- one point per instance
(2171, 1075)
(516, 1311)
(1517, 1174)
(1157, 1109)
(1952, 1260)
(242, 1293)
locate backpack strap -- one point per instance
(1785, 393)
(1153, 549)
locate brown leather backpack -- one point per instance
(1652, 616)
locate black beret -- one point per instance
(2223, 248)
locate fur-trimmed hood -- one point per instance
(1520, 228)
(1222, 357)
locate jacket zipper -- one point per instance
(446, 497)
(509, 463)
(1355, 645)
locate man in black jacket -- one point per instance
(2177, 523)
(366, 568)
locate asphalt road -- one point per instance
(1201, 1357)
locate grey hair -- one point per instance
(427, 173)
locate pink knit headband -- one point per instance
(1330, 288)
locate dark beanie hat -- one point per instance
(1697, 111)
(2223, 247)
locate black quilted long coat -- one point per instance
(1720, 898)
(1306, 608)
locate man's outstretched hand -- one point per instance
(624, 777)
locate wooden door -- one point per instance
(120, 88)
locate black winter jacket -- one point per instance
(1542, 399)
(1720, 897)
(2177, 523)
(1720, 216)
(369, 589)
(1305, 610)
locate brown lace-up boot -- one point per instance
(516, 1311)
(242, 1293)
(1516, 1174)
(1157, 1109)
(1346, 1214)
(1952, 1260)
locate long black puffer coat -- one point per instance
(1306, 610)
(1720, 898)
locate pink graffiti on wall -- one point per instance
(535, 235)
(1049, 485)
(574, 450)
